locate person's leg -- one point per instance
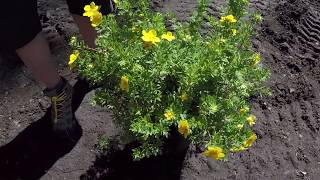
(89, 34)
(37, 57)
(21, 31)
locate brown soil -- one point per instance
(288, 123)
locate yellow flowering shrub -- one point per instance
(157, 78)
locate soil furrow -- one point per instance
(312, 26)
(311, 36)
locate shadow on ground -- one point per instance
(8, 61)
(118, 164)
(36, 149)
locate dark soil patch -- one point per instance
(288, 123)
(113, 163)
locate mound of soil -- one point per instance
(288, 123)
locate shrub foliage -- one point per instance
(157, 74)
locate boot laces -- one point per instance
(58, 105)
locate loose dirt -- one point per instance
(288, 123)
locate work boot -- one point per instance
(62, 118)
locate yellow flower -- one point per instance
(214, 152)
(90, 9)
(251, 120)
(168, 36)
(124, 83)
(228, 19)
(250, 141)
(96, 19)
(150, 37)
(116, 1)
(184, 128)
(169, 115)
(238, 149)
(73, 57)
(256, 59)
(240, 126)
(184, 96)
(234, 32)
(243, 111)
